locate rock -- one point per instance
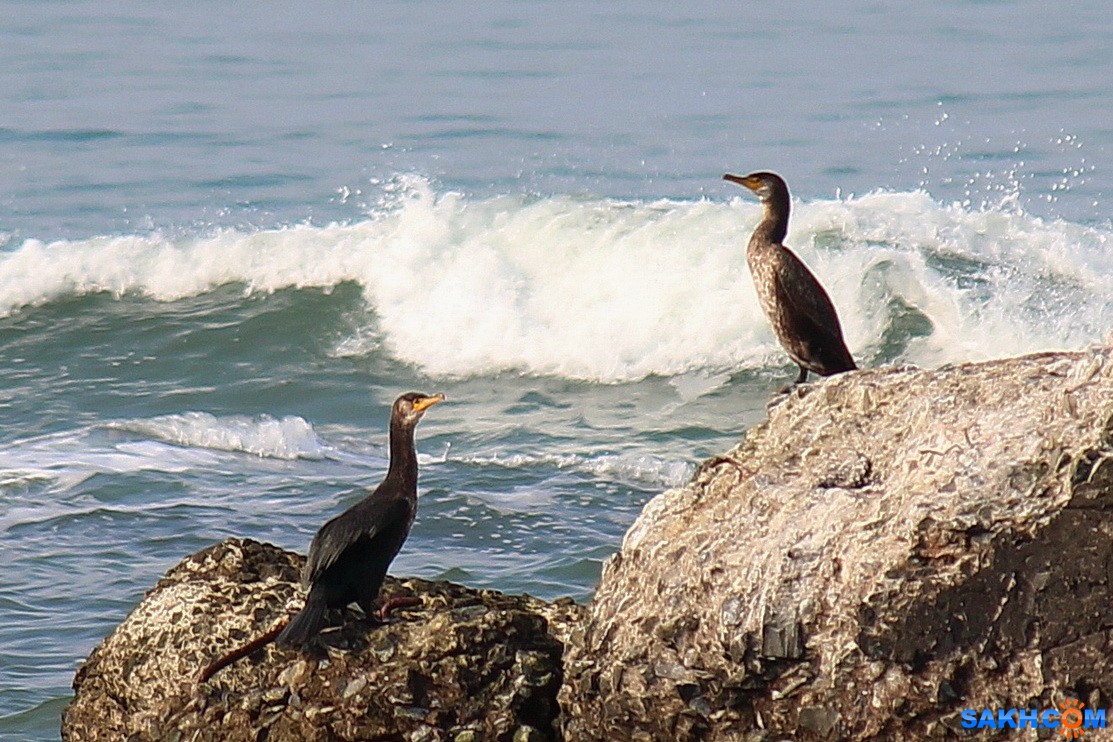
(893, 546)
(467, 664)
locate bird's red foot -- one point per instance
(391, 605)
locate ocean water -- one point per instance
(231, 234)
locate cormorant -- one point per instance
(349, 556)
(797, 306)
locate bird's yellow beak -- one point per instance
(747, 181)
(426, 402)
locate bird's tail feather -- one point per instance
(306, 625)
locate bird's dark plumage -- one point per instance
(349, 556)
(799, 309)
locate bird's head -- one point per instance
(409, 408)
(768, 186)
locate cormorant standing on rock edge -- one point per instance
(349, 556)
(797, 306)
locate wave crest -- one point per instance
(609, 290)
(290, 437)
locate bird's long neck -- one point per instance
(403, 458)
(774, 220)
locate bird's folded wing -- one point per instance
(811, 313)
(362, 521)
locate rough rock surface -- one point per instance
(891, 547)
(465, 665)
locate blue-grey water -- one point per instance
(231, 233)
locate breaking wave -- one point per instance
(609, 290)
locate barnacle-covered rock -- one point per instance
(892, 547)
(465, 664)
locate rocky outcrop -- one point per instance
(465, 665)
(892, 547)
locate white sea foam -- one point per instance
(628, 468)
(290, 437)
(187, 442)
(638, 469)
(609, 290)
(169, 443)
(59, 462)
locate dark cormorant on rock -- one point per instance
(349, 556)
(801, 312)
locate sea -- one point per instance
(232, 233)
